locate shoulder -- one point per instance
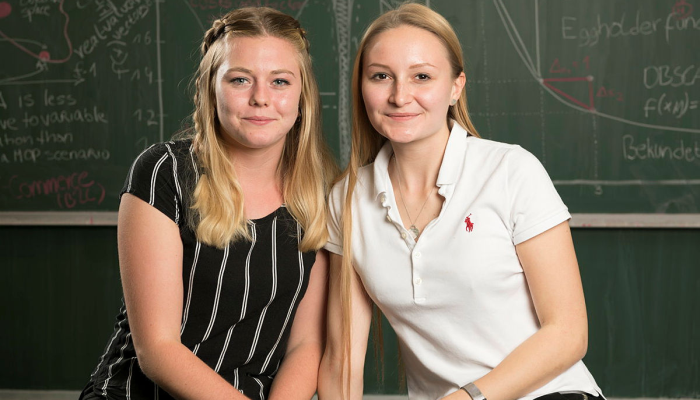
(159, 152)
(485, 152)
(488, 148)
(160, 165)
(365, 181)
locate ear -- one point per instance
(458, 85)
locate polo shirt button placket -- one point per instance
(419, 296)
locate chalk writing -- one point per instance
(31, 8)
(115, 23)
(35, 154)
(648, 149)
(667, 105)
(69, 191)
(89, 115)
(674, 76)
(608, 92)
(147, 116)
(591, 36)
(623, 26)
(682, 10)
(558, 68)
(73, 112)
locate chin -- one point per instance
(400, 136)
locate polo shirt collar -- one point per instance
(381, 169)
(453, 159)
(450, 168)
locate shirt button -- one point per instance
(417, 281)
(403, 235)
(388, 218)
(416, 254)
(383, 198)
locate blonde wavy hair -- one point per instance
(366, 141)
(306, 166)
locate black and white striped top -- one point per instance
(238, 303)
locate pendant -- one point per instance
(414, 231)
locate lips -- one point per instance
(402, 116)
(257, 120)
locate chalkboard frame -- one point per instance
(578, 220)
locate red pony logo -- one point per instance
(470, 224)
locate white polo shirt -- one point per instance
(457, 299)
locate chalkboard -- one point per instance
(606, 93)
(641, 290)
(129, 62)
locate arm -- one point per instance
(150, 260)
(298, 374)
(549, 262)
(330, 381)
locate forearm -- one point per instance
(538, 360)
(298, 374)
(173, 367)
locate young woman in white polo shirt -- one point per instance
(463, 243)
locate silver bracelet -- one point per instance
(473, 391)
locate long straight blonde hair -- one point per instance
(306, 166)
(366, 141)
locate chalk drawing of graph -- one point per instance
(579, 93)
(39, 53)
(552, 85)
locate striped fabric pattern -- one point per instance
(238, 302)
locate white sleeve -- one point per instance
(535, 205)
(336, 199)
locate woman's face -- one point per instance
(258, 87)
(407, 84)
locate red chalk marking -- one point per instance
(590, 106)
(5, 9)
(682, 10)
(43, 56)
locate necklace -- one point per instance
(414, 231)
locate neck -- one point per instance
(257, 169)
(420, 162)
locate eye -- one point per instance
(239, 80)
(379, 76)
(422, 77)
(280, 82)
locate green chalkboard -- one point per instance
(641, 290)
(605, 92)
(624, 142)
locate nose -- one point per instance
(259, 95)
(400, 94)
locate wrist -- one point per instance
(473, 391)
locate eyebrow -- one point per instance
(411, 67)
(247, 71)
(282, 71)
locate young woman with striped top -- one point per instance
(219, 234)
